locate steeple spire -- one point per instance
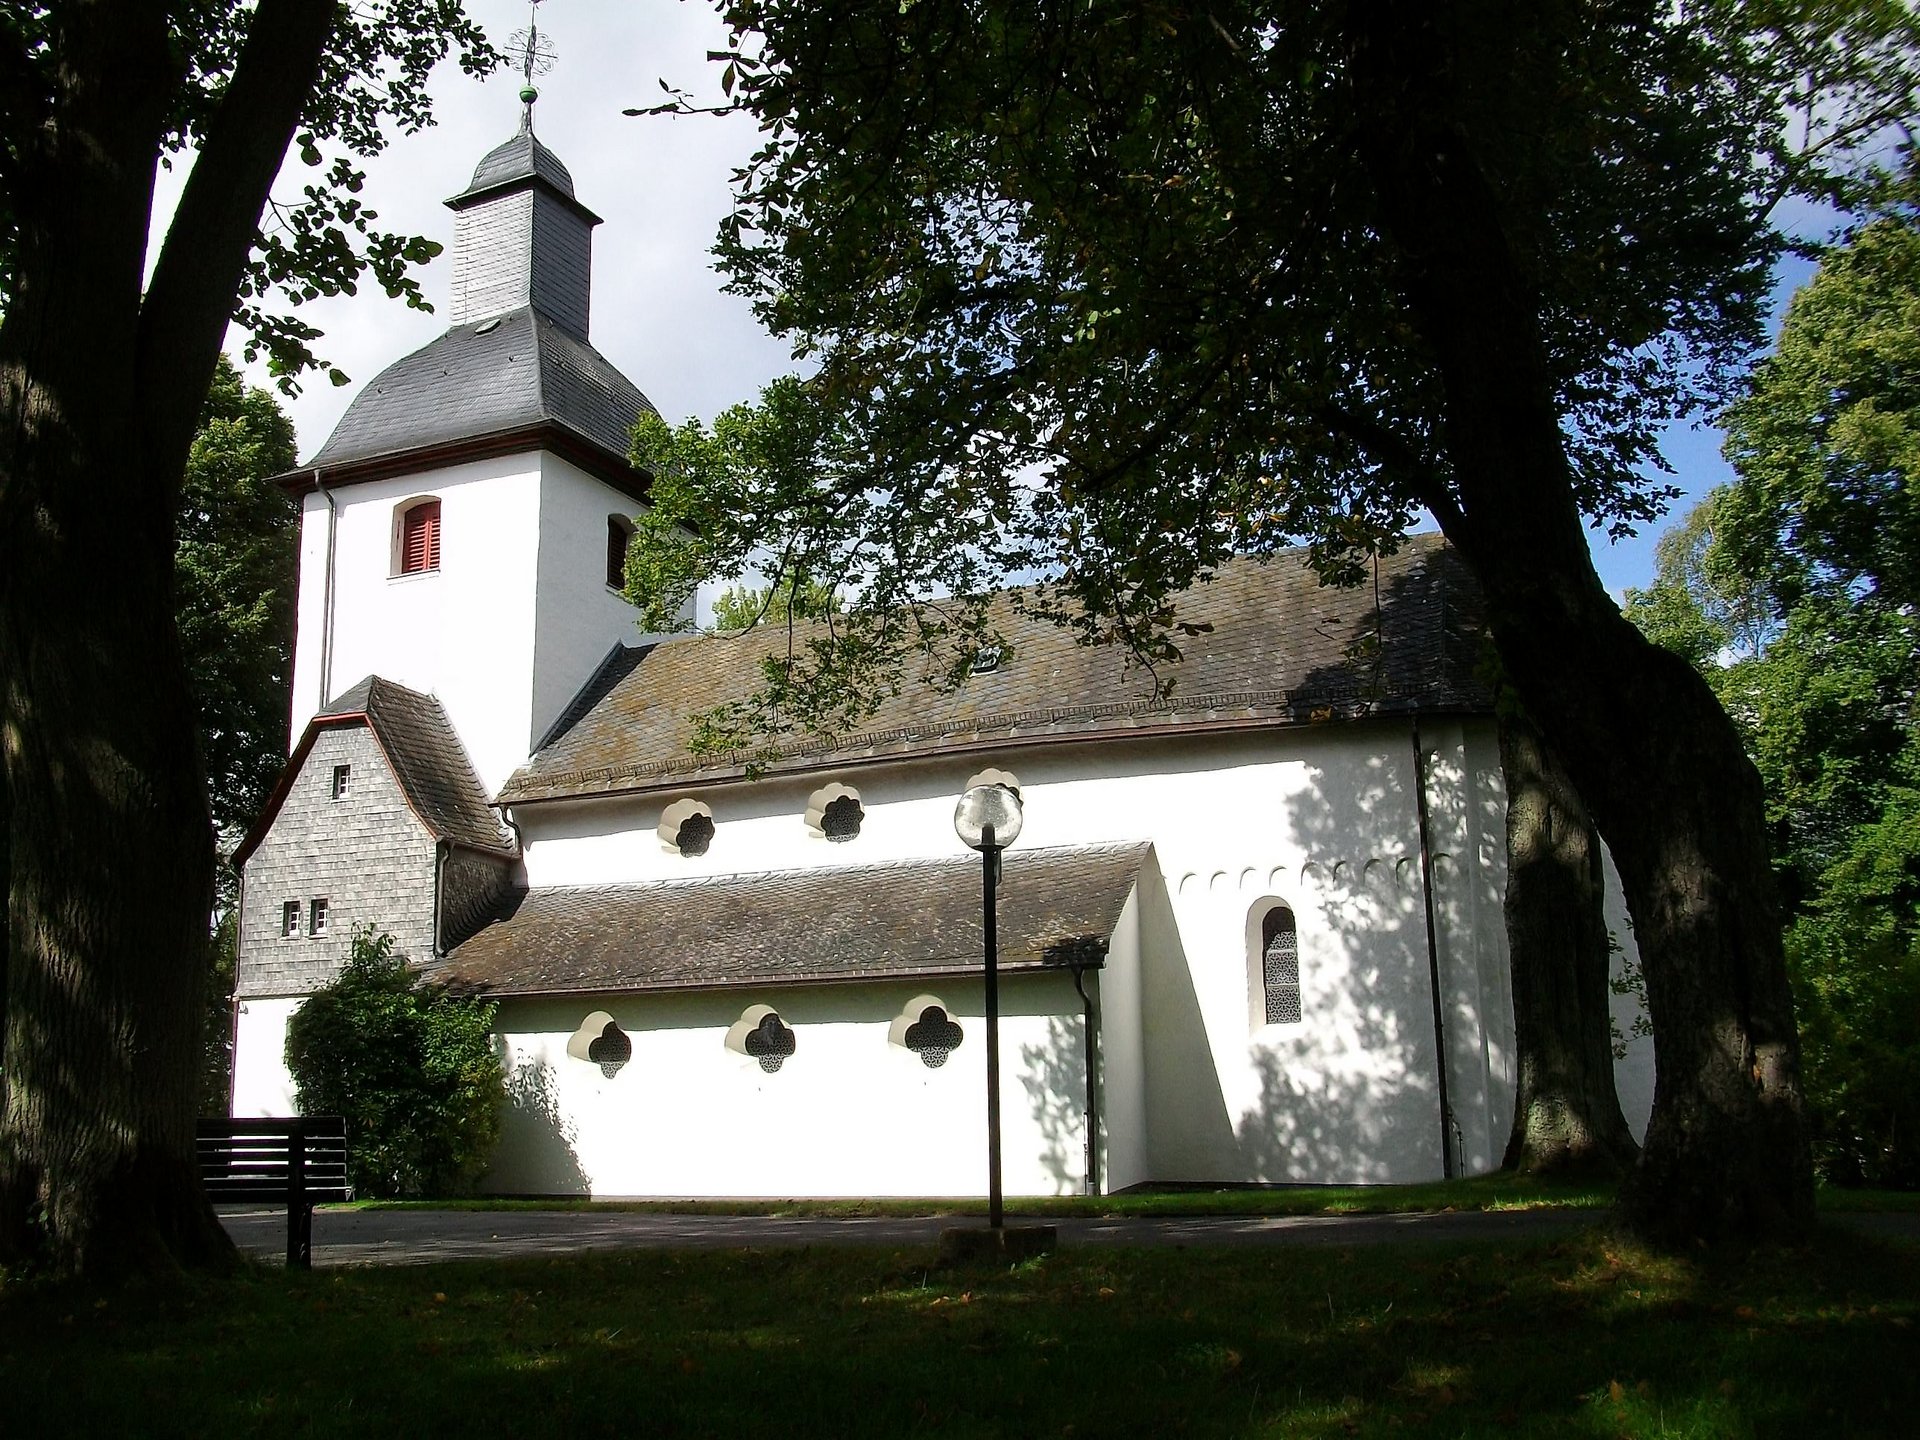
(521, 237)
(535, 55)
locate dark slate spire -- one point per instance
(520, 159)
(522, 238)
(515, 358)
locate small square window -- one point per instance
(317, 916)
(290, 918)
(342, 781)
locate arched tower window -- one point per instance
(416, 538)
(619, 536)
(1279, 967)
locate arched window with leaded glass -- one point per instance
(1277, 967)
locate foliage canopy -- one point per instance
(235, 569)
(371, 86)
(1104, 295)
(410, 1066)
(1817, 657)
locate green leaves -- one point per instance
(234, 581)
(372, 86)
(1098, 298)
(1828, 435)
(411, 1066)
(1794, 592)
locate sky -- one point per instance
(661, 185)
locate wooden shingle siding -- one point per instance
(365, 852)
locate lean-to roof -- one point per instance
(915, 918)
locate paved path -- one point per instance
(419, 1237)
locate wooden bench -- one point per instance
(296, 1161)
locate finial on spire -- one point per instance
(535, 55)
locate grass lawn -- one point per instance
(1583, 1336)
(1485, 1192)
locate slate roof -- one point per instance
(1283, 649)
(521, 158)
(428, 760)
(914, 918)
(502, 374)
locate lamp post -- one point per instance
(988, 819)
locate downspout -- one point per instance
(506, 819)
(233, 1007)
(1088, 1010)
(440, 849)
(326, 598)
(1447, 1167)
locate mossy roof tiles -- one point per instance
(1281, 649)
(916, 918)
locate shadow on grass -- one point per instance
(1585, 1336)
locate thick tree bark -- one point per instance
(1650, 750)
(1566, 1117)
(109, 846)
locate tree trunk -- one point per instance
(109, 844)
(1656, 759)
(1566, 1116)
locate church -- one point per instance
(1250, 933)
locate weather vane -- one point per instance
(534, 54)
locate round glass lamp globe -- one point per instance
(986, 805)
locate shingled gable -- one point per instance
(426, 758)
(917, 918)
(1282, 650)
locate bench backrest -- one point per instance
(252, 1159)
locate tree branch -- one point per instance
(204, 257)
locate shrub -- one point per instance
(1855, 963)
(411, 1067)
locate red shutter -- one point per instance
(420, 539)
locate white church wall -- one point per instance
(1322, 819)
(848, 1113)
(464, 633)
(1123, 1074)
(580, 618)
(1347, 1094)
(1632, 1071)
(1487, 822)
(1469, 880)
(262, 1084)
(309, 616)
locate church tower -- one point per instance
(464, 526)
(462, 537)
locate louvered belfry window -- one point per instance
(1280, 966)
(420, 538)
(619, 533)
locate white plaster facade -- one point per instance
(1192, 1085)
(504, 633)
